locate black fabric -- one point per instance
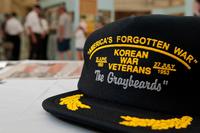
(43, 49)
(16, 41)
(105, 116)
(64, 45)
(160, 80)
(35, 50)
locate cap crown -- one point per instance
(151, 62)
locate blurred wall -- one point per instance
(126, 8)
(19, 6)
(71, 5)
(107, 5)
(189, 7)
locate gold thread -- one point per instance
(154, 124)
(142, 47)
(73, 103)
(167, 69)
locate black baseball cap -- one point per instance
(140, 75)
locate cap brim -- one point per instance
(106, 116)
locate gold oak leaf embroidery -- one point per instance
(154, 124)
(73, 103)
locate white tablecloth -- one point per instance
(21, 110)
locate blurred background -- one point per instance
(57, 29)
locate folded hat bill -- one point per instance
(112, 117)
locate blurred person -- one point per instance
(100, 25)
(197, 8)
(64, 33)
(45, 35)
(1, 42)
(13, 29)
(1, 35)
(34, 29)
(6, 46)
(3, 26)
(52, 39)
(83, 23)
(80, 38)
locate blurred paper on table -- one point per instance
(44, 70)
(3, 64)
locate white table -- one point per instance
(21, 110)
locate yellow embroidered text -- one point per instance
(73, 103)
(101, 61)
(176, 123)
